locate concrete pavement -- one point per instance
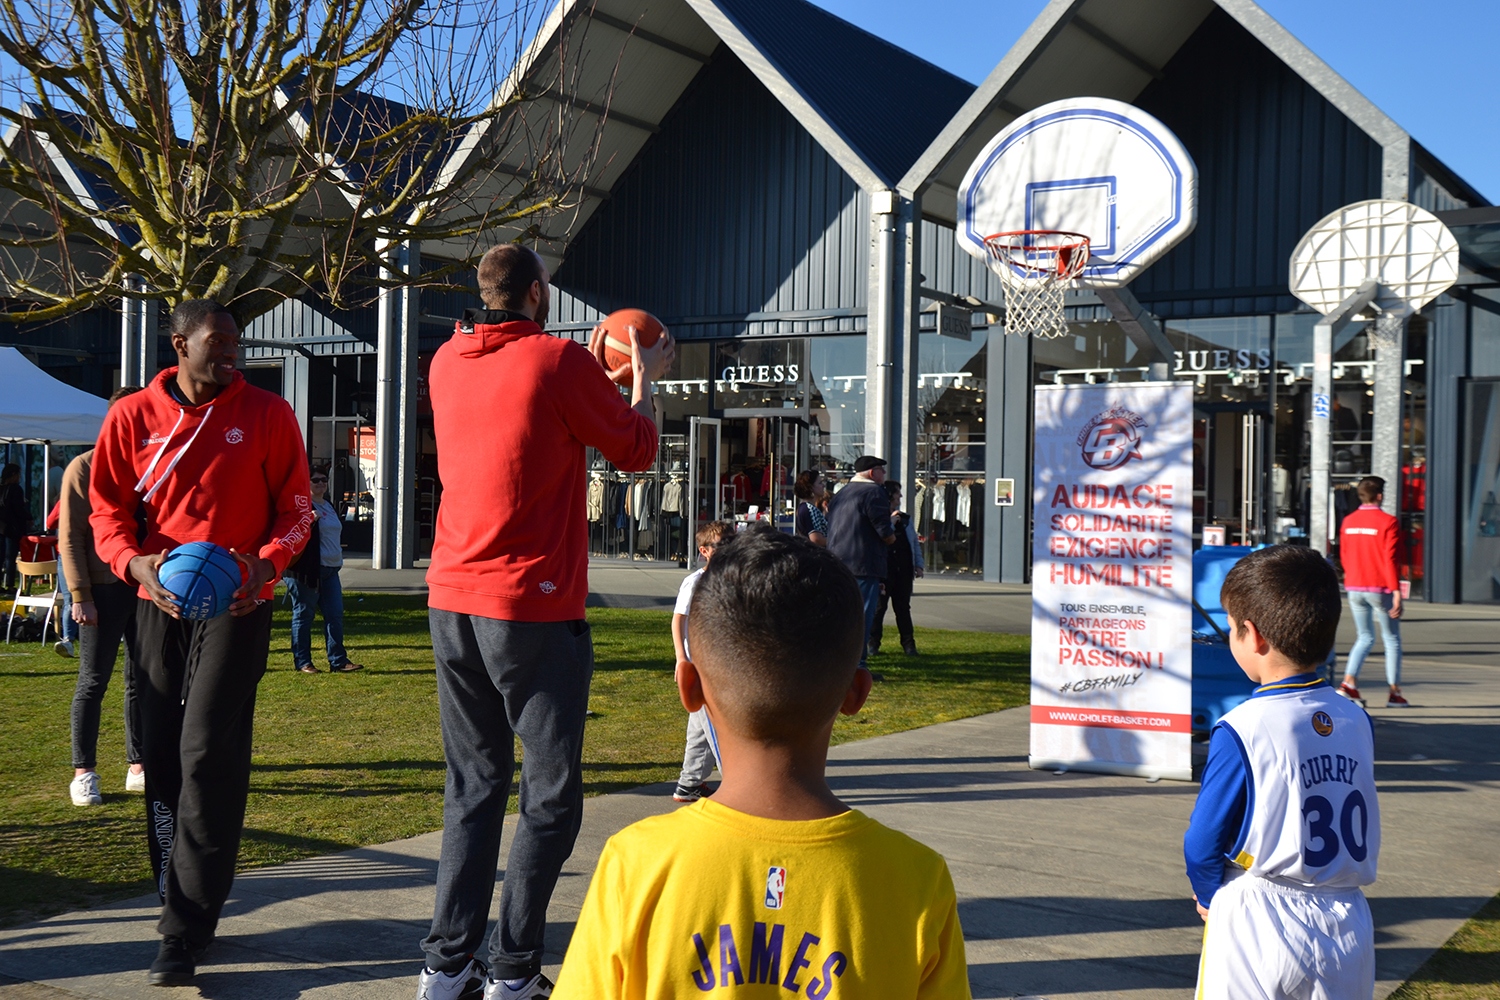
(1070, 885)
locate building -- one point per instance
(779, 187)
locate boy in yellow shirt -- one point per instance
(773, 887)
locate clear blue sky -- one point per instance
(1429, 64)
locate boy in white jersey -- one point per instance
(1286, 827)
(701, 754)
(773, 887)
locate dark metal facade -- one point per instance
(1273, 156)
(732, 222)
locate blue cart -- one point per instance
(1218, 682)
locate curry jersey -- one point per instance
(1310, 812)
(706, 901)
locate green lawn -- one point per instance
(1466, 968)
(347, 760)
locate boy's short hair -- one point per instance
(1370, 489)
(712, 533)
(1292, 595)
(777, 624)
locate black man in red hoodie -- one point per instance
(513, 410)
(204, 456)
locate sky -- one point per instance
(1429, 65)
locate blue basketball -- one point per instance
(203, 577)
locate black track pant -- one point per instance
(197, 696)
(897, 595)
(98, 645)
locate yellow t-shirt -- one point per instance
(707, 900)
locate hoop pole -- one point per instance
(1341, 318)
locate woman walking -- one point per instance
(313, 584)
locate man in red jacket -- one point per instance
(203, 456)
(513, 410)
(1367, 548)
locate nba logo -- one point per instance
(775, 888)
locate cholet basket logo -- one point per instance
(1112, 438)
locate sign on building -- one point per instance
(1111, 620)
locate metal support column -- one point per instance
(1324, 332)
(138, 332)
(395, 413)
(909, 420)
(1390, 383)
(880, 357)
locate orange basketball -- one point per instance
(611, 341)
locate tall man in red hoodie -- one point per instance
(513, 410)
(1367, 548)
(204, 456)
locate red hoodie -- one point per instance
(513, 409)
(232, 471)
(1367, 548)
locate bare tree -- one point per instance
(257, 150)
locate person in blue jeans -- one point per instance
(313, 585)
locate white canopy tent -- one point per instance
(36, 408)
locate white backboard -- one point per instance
(1407, 250)
(1086, 165)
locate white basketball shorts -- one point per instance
(1267, 941)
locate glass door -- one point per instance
(1479, 531)
(1230, 483)
(705, 500)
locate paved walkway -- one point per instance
(1070, 885)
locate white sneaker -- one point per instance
(466, 984)
(63, 647)
(85, 789)
(135, 781)
(537, 986)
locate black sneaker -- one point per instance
(909, 648)
(684, 794)
(176, 963)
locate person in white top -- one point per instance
(313, 585)
(1287, 824)
(701, 755)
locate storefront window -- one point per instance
(947, 500)
(837, 401)
(1479, 545)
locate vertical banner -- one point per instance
(1112, 565)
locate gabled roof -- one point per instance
(886, 103)
(1116, 48)
(609, 71)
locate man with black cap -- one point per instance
(859, 529)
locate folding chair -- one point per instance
(28, 571)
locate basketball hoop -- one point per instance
(1036, 267)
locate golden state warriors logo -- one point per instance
(1322, 723)
(1112, 438)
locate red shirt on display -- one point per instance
(1367, 548)
(232, 471)
(513, 409)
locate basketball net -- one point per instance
(1387, 330)
(1036, 268)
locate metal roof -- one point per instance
(612, 70)
(1116, 48)
(884, 102)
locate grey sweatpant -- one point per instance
(701, 755)
(498, 680)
